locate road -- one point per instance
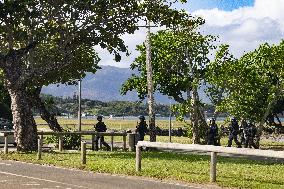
(19, 175)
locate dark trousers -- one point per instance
(97, 138)
(141, 137)
(213, 140)
(235, 138)
(249, 142)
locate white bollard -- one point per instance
(213, 165)
(83, 152)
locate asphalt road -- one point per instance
(19, 175)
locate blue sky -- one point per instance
(227, 5)
(242, 24)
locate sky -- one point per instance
(243, 24)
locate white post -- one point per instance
(213, 165)
(6, 144)
(79, 106)
(39, 148)
(60, 143)
(83, 152)
(138, 158)
(111, 142)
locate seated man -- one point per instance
(100, 127)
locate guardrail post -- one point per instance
(124, 141)
(100, 142)
(138, 158)
(60, 143)
(6, 144)
(83, 152)
(131, 142)
(39, 148)
(213, 165)
(93, 142)
(111, 142)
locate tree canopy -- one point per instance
(252, 84)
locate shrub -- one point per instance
(70, 142)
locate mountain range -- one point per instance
(105, 86)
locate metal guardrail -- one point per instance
(205, 148)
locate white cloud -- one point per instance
(131, 40)
(244, 29)
(247, 27)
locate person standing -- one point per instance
(100, 127)
(243, 127)
(234, 131)
(213, 133)
(250, 133)
(141, 128)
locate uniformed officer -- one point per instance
(250, 133)
(141, 128)
(100, 127)
(243, 127)
(213, 133)
(234, 131)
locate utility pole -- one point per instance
(170, 122)
(79, 106)
(150, 86)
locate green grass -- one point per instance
(231, 172)
(111, 123)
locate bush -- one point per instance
(70, 142)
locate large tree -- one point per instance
(179, 58)
(252, 84)
(27, 27)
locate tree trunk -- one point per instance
(266, 113)
(44, 113)
(152, 127)
(24, 123)
(195, 117)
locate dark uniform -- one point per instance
(213, 133)
(141, 128)
(243, 127)
(250, 133)
(100, 127)
(234, 131)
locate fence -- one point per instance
(205, 148)
(60, 137)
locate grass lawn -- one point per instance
(231, 172)
(111, 123)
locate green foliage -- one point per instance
(250, 83)
(172, 74)
(70, 142)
